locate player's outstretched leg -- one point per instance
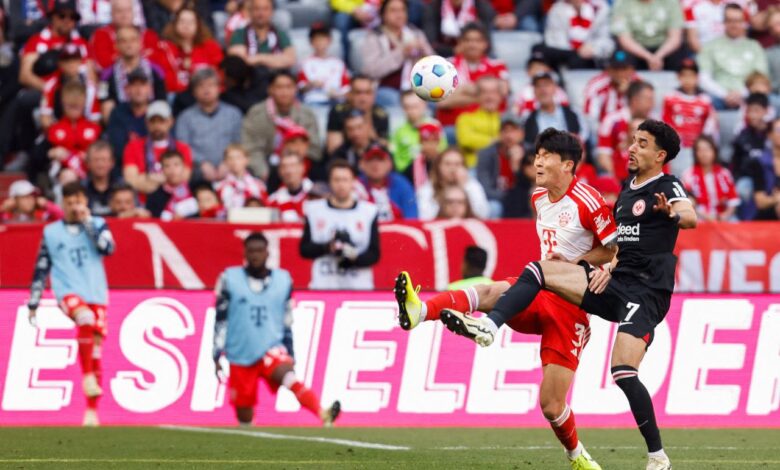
(309, 400)
(85, 322)
(91, 414)
(412, 311)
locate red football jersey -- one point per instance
(690, 116)
(103, 45)
(178, 66)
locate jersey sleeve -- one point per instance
(673, 189)
(42, 268)
(98, 232)
(220, 324)
(596, 215)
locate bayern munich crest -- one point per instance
(564, 218)
(639, 207)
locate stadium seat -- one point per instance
(575, 82)
(728, 122)
(355, 58)
(306, 13)
(514, 47)
(300, 40)
(663, 82)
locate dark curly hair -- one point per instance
(666, 138)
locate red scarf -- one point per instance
(451, 23)
(580, 25)
(725, 193)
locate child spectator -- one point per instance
(71, 136)
(405, 142)
(431, 135)
(710, 184)
(25, 205)
(751, 141)
(173, 200)
(323, 80)
(295, 188)
(756, 82)
(209, 206)
(69, 67)
(239, 185)
(690, 112)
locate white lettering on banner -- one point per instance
(697, 354)
(350, 354)
(32, 352)
(307, 330)
(165, 251)
(274, 237)
(208, 393)
(419, 391)
(159, 358)
(478, 231)
(764, 396)
(594, 391)
(488, 390)
(690, 277)
(739, 261)
(774, 274)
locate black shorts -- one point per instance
(636, 308)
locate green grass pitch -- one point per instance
(449, 448)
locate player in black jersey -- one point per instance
(635, 292)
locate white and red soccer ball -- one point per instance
(434, 78)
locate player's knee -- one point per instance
(552, 407)
(488, 293)
(84, 316)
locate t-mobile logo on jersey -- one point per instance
(549, 240)
(628, 233)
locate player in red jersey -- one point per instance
(574, 224)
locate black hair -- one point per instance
(319, 28)
(732, 6)
(202, 186)
(759, 99)
(709, 141)
(73, 189)
(666, 138)
(384, 4)
(637, 87)
(564, 143)
(119, 187)
(475, 257)
(475, 26)
(255, 237)
(360, 76)
(168, 154)
(277, 74)
(339, 163)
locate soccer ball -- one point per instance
(434, 78)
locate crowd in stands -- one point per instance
(183, 109)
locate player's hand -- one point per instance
(664, 206)
(556, 257)
(599, 280)
(218, 370)
(655, 63)
(83, 214)
(349, 252)
(32, 317)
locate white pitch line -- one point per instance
(550, 447)
(268, 435)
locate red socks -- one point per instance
(565, 429)
(97, 369)
(86, 341)
(306, 398)
(456, 300)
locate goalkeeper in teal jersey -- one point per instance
(253, 331)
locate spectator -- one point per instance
(690, 112)
(69, 68)
(577, 34)
(351, 14)
(477, 129)
(449, 169)
(614, 131)
(99, 179)
(756, 82)
(172, 200)
(105, 42)
(238, 84)
(239, 185)
(128, 120)
(159, 13)
(142, 164)
(322, 79)
(431, 135)
(526, 98)
(710, 184)
(25, 205)
(405, 142)
(391, 193)
(443, 21)
(726, 62)
(759, 25)
(123, 203)
(186, 47)
(704, 20)
(390, 51)
(130, 57)
(9, 72)
(764, 173)
(358, 141)
(209, 125)
(606, 92)
(472, 269)
(25, 19)
(550, 113)
(498, 164)
(295, 188)
(752, 140)
(472, 63)
(208, 203)
(266, 122)
(361, 96)
(295, 140)
(261, 45)
(454, 204)
(773, 52)
(506, 15)
(517, 200)
(70, 137)
(341, 235)
(651, 31)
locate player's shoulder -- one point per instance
(282, 274)
(49, 228)
(538, 194)
(313, 206)
(586, 196)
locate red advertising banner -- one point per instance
(715, 362)
(738, 258)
